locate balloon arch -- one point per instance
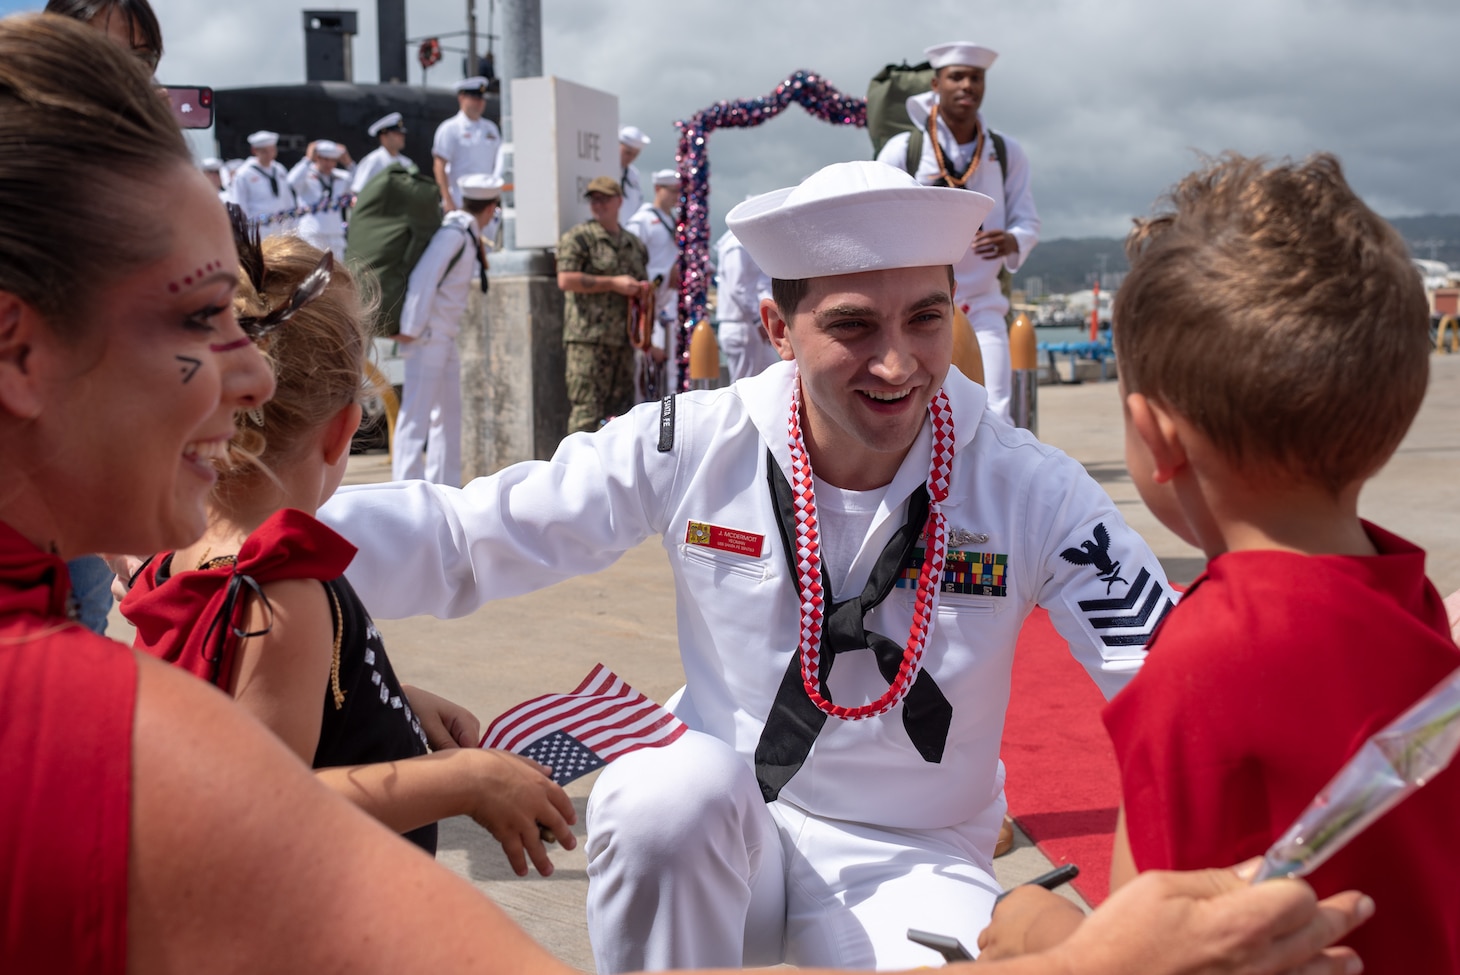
(806, 88)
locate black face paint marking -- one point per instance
(190, 367)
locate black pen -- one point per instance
(1050, 880)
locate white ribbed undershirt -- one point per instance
(845, 519)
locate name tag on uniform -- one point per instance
(724, 539)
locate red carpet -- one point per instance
(1062, 783)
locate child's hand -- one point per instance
(514, 798)
(446, 725)
(1029, 919)
(124, 567)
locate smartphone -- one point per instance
(950, 948)
(192, 106)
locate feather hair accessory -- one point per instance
(309, 289)
(250, 252)
(251, 262)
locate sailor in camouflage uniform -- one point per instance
(600, 267)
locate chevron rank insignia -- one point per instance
(1136, 615)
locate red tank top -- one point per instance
(66, 769)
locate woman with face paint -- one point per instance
(133, 26)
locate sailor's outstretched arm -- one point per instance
(429, 549)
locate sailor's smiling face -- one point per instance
(872, 348)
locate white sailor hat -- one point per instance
(960, 52)
(480, 186)
(325, 149)
(211, 164)
(391, 121)
(632, 135)
(666, 177)
(476, 84)
(857, 216)
(263, 138)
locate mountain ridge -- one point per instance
(1068, 264)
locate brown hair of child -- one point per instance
(1280, 316)
(318, 357)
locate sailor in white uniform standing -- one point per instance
(967, 153)
(631, 142)
(654, 224)
(430, 318)
(740, 286)
(784, 826)
(321, 186)
(261, 186)
(391, 131)
(467, 144)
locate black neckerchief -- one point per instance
(795, 720)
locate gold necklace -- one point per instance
(957, 182)
(217, 562)
(335, 691)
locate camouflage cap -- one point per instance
(606, 185)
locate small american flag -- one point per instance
(575, 733)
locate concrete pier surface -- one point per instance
(624, 617)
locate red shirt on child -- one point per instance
(194, 622)
(1270, 673)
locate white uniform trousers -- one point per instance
(688, 867)
(992, 333)
(430, 413)
(745, 352)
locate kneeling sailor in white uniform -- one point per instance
(430, 318)
(855, 542)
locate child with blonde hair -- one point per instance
(260, 607)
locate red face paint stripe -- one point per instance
(230, 346)
(197, 276)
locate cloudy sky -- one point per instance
(1112, 99)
